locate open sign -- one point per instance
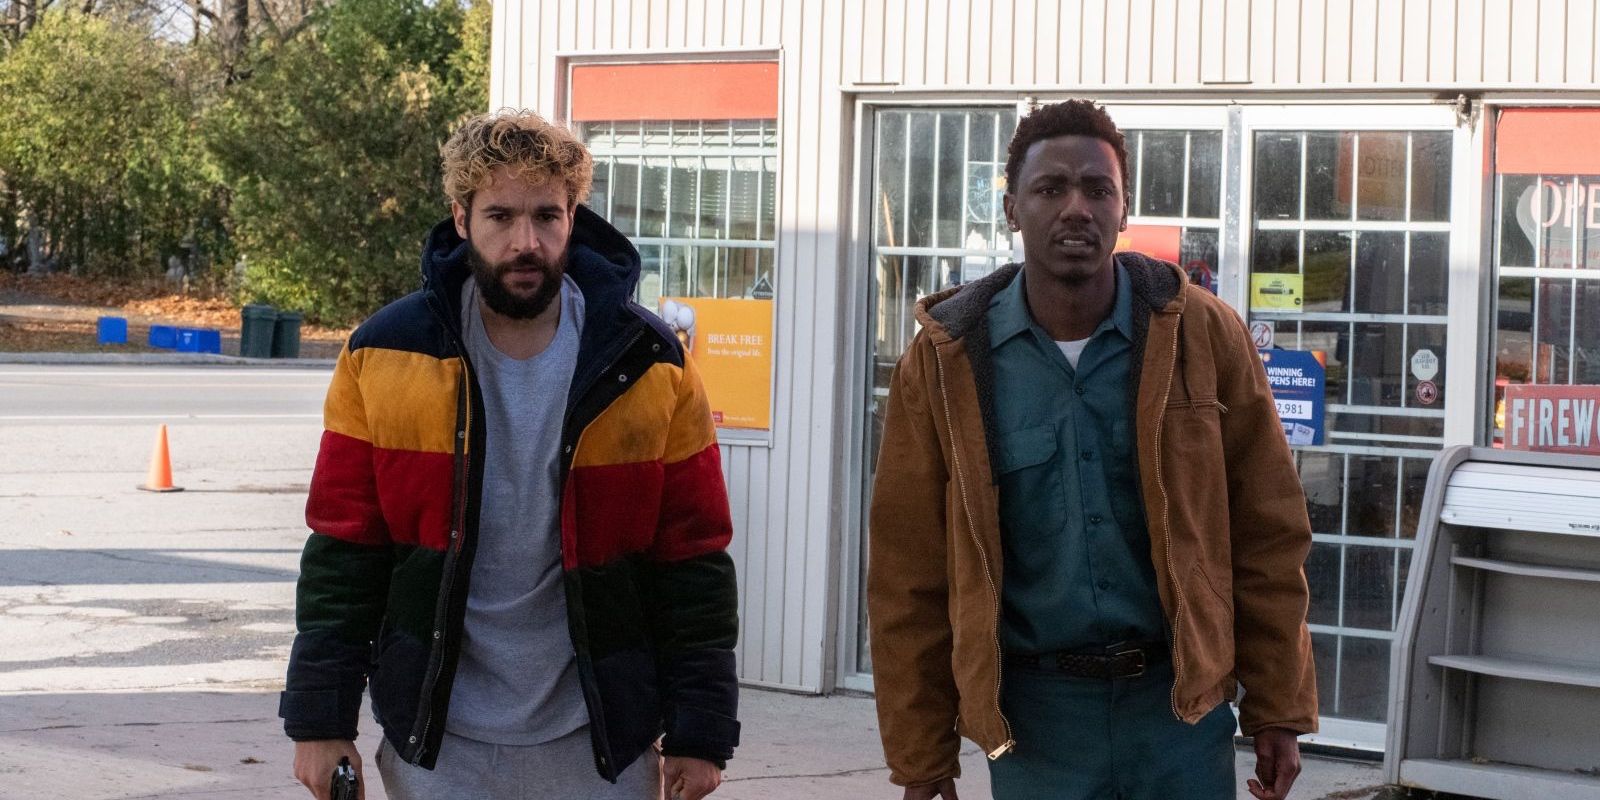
(1564, 203)
(1549, 211)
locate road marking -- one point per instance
(117, 385)
(101, 417)
(287, 372)
(111, 385)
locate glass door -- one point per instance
(936, 220)
(1349, 221)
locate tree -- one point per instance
(96, 142)
(235, 30)
(313, 159)
(330, 149)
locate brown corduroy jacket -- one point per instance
(1228, 528)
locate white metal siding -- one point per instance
(780, 494)
(1133, 44)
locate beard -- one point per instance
(491, 280)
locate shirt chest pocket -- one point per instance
(1029, 473)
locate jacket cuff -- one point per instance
(319, 714)
(706, 735)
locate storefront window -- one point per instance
(1349, 259)
(1177, 199)
(698, 198)
(691, 177)
(1547, 261)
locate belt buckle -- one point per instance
(1127, 650)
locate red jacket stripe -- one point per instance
(415, 491)
(343, 501)
(612, 510)
(694, 514)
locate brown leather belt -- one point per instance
(1122, 660)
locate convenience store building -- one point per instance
(1410, 188)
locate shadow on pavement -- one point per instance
(42, 567)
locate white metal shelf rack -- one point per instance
(1496, 670)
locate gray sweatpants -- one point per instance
(471, 770)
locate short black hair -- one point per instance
(1067, 118)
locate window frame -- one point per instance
(569, 60)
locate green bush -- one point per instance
(330, 151)
(98, 145)
(317, 169)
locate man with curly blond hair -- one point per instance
(519, 523)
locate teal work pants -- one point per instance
(1095, 739)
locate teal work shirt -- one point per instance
(1078, 573)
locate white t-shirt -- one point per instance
(1072, 350)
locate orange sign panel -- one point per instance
(1380, 170)
(730, 341)
(1548, 141)
(1155, 241)
(675, 91)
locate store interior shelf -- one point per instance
(1563, 674)
(1529, 570)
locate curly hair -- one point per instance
(534, 149)
(1068, 118)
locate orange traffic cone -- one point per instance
(160, 477)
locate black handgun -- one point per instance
(345, 785)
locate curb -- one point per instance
(137, 359)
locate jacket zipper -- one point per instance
(463, 439)
(983, 557)
(569, 450)
(1166, 530)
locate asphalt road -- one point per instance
(171, 394)
(103, 586)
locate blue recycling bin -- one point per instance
(112, 330)
(210, 340)
(164, 337)
(188, 340)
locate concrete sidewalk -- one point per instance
(143, 636)
(196, 744)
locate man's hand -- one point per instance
(690, 778)
(1277, 763)
(945, 789)
(314, 763)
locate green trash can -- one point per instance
(256, 334)
(286, 335)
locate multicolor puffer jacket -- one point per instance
(394, 504)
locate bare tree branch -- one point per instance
(295, 29)
(266, 17)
